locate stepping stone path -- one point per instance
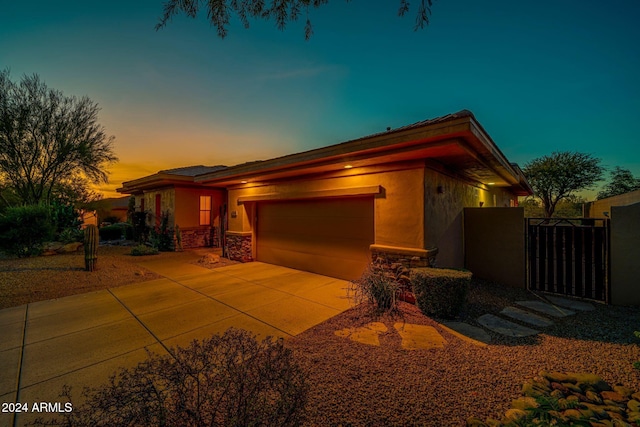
(414, 337)
(543, 307)
(505, 327)
(560, 308)
(419, 337)
(526, 317)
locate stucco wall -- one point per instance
(398, 209)
(444, 199)
(625, 252)
(187, 207)
(599, 207)
(494, 244)
(167, 203)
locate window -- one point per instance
(205, 210)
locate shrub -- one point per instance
(141, 250)
(379, 284)
(111, 232)
(24, 229)
(228, 380)
(440, 292)
(70, 235)
(162, 236)
(64, 216)
(140, 228)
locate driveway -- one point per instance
(81, 339)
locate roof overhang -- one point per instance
(155, 181)
(457, 142)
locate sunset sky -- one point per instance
(540, 76)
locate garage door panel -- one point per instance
(330, 236)
(337, 247)
(326, 265)
(347, 227)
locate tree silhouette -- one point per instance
(556, 177)
(48, 140)
(622, 181)
(219, 12)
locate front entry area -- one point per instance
(325, 236)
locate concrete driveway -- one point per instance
(81, 339)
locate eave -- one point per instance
(457, 142)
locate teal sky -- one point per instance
(540, 76)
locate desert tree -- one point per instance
(219, 12)
(622, 181)
(48, 140)
(560, 175)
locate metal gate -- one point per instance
(569, 256)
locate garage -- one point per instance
(324, 236)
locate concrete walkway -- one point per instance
(80, 340)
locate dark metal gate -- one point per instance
(569, 256)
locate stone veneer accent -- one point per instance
(198, 237)
(408, 257)
(239, 246)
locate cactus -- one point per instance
(91, 239)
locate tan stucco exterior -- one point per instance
(445, 197)
(416, 207)
(625, 252)
(602, 208)
(398, 206)
(187, 206)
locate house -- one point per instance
(397, 194)
(602, 208)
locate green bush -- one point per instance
(111, 232)
(227, 380)
(141, 250)
(440, 292)
(70, 235)
(24, 229)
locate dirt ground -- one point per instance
(26, 280)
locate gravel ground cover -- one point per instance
(355, 384)
(25, 280)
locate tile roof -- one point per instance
(192, 170)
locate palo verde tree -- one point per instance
(219, 12)
(556, 177)
(48, 140)
(622, 181)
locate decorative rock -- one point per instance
(593, 397)
(70, 247)
(626, 392)
(599, 406)
(475, 422)
(524, 403)
(513, 415)
(613, 396)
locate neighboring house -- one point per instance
(114, 207)
(602, 208)
(395, 194)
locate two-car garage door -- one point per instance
(324, 236)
